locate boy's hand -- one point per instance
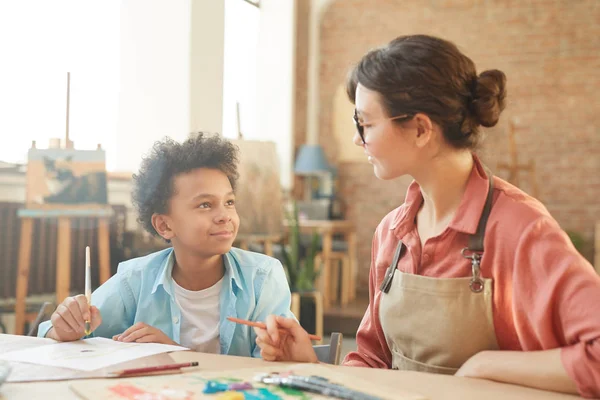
(143, 333)
(293, 345)
(68, 320)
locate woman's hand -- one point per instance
(68, 320)
(291, 344)
(144, 333)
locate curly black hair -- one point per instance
(153, 185)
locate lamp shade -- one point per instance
(311, 160)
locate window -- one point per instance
(240, 74)
(42, 41)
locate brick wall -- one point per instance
(301, 79)
(550, 51)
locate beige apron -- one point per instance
(436, 324)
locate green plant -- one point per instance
(301, 271)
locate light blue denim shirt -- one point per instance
(254, 286)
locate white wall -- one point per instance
(171, 73)
(240, 62)
(275, 82)
(154, 91)
(207, 21)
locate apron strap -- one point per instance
(476, 240)
(474, 251)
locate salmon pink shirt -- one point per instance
(545, 294)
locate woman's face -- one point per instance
(392, 148)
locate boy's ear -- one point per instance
(161, 224)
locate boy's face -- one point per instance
(202, 215)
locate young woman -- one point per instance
(470, 276)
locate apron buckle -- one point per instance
(476, 283)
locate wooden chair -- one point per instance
(330, 353)
(330, 282)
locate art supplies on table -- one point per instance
(314, 384)
(237, 384)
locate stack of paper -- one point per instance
(87, 354)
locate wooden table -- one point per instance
(327, 229)
(430, 385)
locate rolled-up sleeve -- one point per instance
(556, 300)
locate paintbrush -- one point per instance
(88, 288)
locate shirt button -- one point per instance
(175, 320)
(426, 257)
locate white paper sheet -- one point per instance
(10, 343)
(87, 354)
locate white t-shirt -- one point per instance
(200, 317)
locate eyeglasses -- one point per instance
(361, 129)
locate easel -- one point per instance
(63, 214)
(63, 253)
(514, 168)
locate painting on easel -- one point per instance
(58, 177)
(62, 177)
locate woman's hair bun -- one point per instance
(489, 94)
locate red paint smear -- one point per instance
(126, 390)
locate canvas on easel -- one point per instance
(259, 199)
(59, 178)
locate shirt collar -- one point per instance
(471, 206)
(469, 210)
(232, 270)
(165, 274)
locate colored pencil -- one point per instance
(263, 326)
(157, 368)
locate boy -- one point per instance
(183, 295)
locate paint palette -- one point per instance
(192, 385)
